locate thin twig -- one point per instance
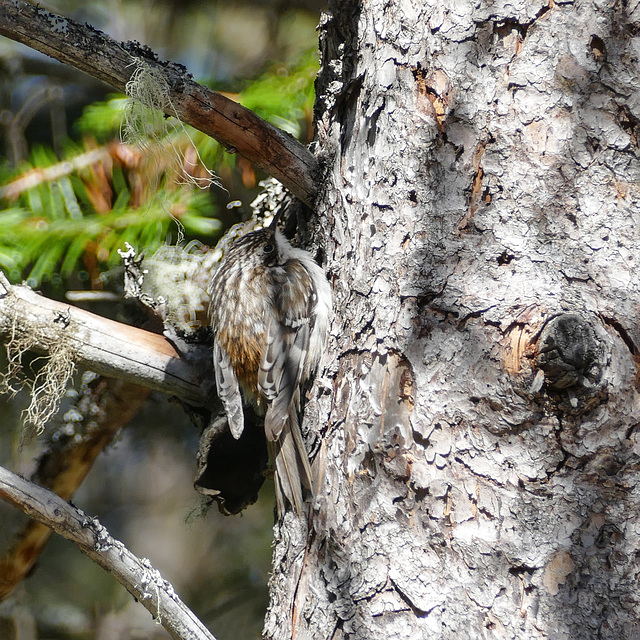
(106, 405)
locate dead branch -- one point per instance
(104, 346)
(238, 129)
(107, 406)
(140, 579)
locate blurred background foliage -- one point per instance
(72, 193)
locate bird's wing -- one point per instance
(288, 334)
(228, 390)
(281, 372)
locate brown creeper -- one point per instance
(269, 309)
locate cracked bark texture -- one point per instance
(479, 461)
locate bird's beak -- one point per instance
(274, 223)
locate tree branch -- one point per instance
(98, 55)
(140, 579)
(107, 347)
(106, 406)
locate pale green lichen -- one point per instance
(145, 125)
(50, 383)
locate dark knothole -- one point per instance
(569, 352)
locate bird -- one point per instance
(270, 305)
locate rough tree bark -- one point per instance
(479, 456)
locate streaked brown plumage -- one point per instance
(269, 309)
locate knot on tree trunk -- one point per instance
(570, 353)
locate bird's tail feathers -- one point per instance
(292, 467)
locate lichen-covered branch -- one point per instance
(104, 346)
(137, 575)
(126, 354)
(238, 129)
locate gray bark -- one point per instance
(478, 473)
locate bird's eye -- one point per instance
(268, 248)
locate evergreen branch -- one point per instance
(35, 177)
(234, 126)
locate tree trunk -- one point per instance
(478, 473)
